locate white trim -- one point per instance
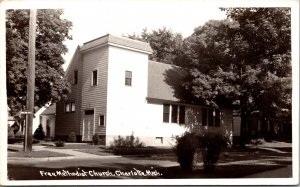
(129, 48)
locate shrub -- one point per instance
(257, 141)
(35, 141)
(96, 139)
(10, 133)
(129, 141)
(185, 150)
(59, 143)
(72, 137)
(211, 145)
(39, 133)
(190, 145)
(19, 135)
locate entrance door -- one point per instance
(88, 127)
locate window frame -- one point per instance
(94, 79)
(174, 114)
(128, 76)
(69, 107)
(73, 104)
(99, 122)
(75, 77)
(166, 113)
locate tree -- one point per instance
(242, 62)
(39, 133)
(50, 85)
(164, 43)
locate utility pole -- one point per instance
(30, 81)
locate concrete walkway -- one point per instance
(72, 155)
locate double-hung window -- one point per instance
(70, 107)
(166, 113)
(128, 78)
(101, 120)
(75, 77)
(173, 114)
(211, 117)
(94, 78)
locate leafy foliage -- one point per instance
(96, 139)
(59, 143)
(72, 137)
(128, 142)
(242, 63)
(191, 144)
(50, 86)
(164, 43)
(185, 150)
(39, 133)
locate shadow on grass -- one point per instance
(228, 171)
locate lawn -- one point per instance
(100, 152)
(18, 152)
(74, 146)
(36, 154)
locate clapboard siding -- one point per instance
(70, 122)
(95, 97)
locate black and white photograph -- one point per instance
(149, 92)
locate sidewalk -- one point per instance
(73, 154)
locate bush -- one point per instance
(211, 145)
(59, 143)
(35, 141)
(185, 150)
(19, 135)
(257, 141)
(190, 144)
(96, 139)
(39, 133)
(72, 137)
(129, 141)
(10, 133)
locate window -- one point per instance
(89, 112)
(128, 78)
(211, 117)
(182, 115)
(94, 78)
(67, 107)
(159, 140)
(73, 107)
(75, 77)
(70, 107)
(218, 118)
(174, 113)
(177, 114)
(204, 116)
(101, 120)
(166, 113)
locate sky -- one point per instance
(128, 17)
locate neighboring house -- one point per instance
(47, 119)
(10, 119)
(36, 118)
(116, 91)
